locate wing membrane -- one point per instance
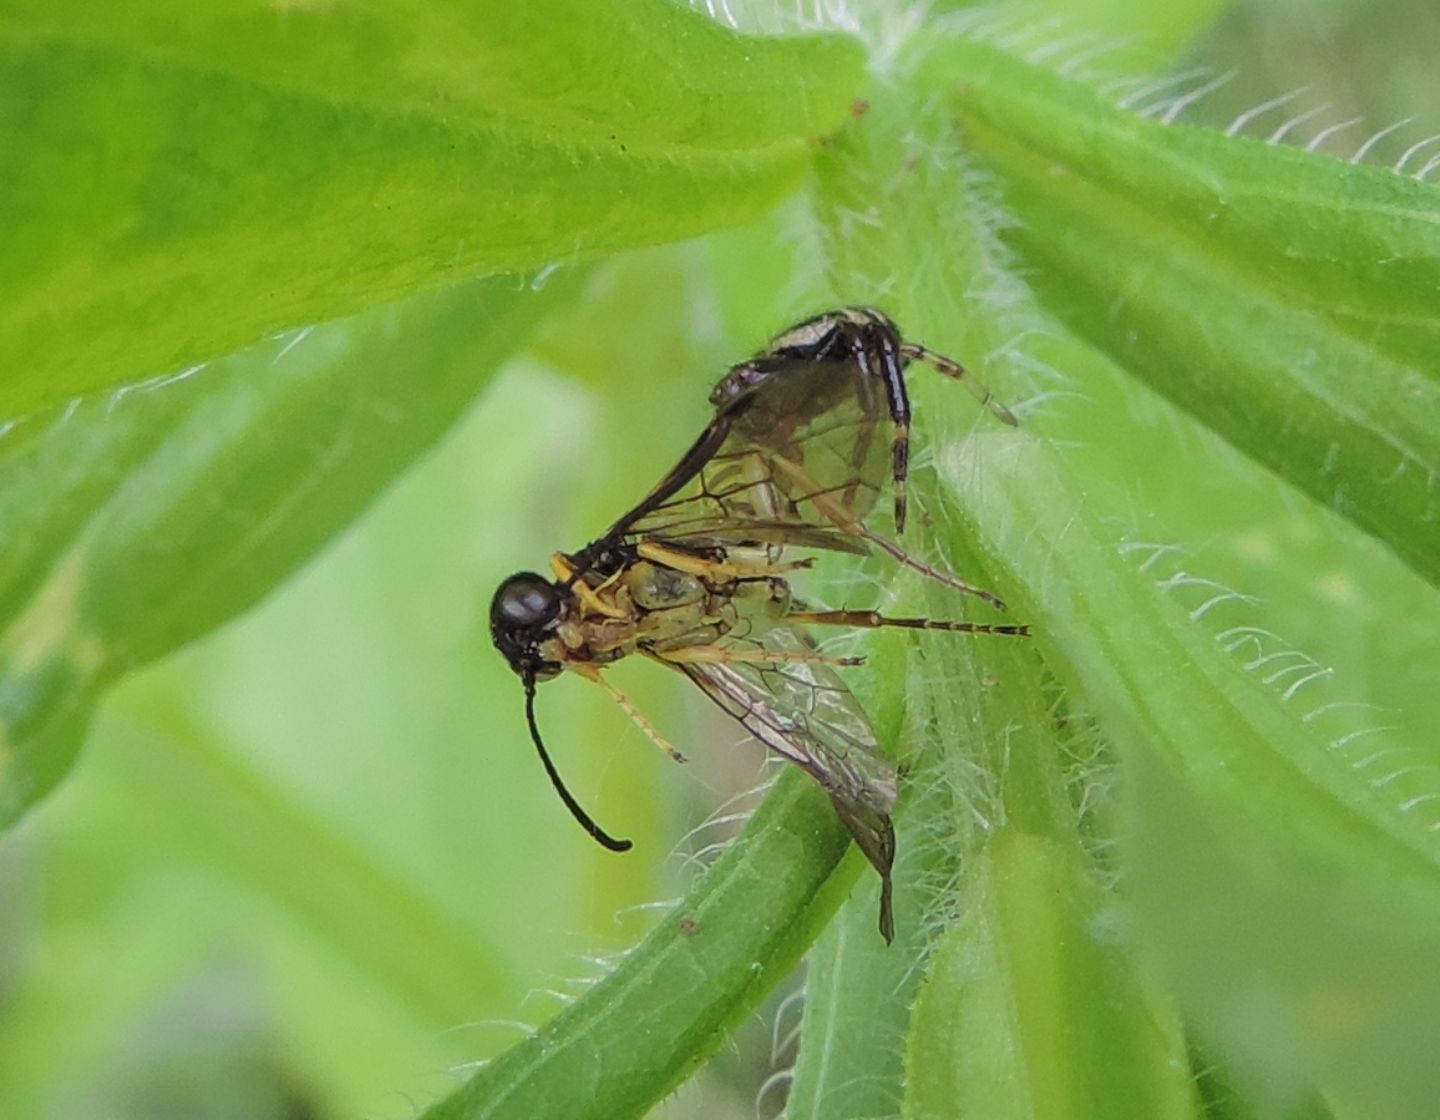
(829, 419)
(804, 712)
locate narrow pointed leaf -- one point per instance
(1286, 299)
(636, 1034)
(1281, 863)
(1040, 949)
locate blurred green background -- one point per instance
(309, 866)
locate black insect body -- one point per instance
(805, 436)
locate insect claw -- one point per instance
(1003, 413)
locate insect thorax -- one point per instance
(656, 607)
(824, 336)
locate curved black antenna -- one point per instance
(586, 822)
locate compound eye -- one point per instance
(524, 601)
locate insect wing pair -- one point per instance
(805, 437)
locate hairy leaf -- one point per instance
(637, 1033)
(1286, 299)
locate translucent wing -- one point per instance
(801, 430)
(804, 712)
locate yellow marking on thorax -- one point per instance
(726, 569)
(590, 597)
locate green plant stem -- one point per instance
(638, 1032)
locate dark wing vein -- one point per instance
(805, 713)
(828, 418)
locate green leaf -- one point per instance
(335, 778)
(1127, 31)
(1226, 730)
(1097, 33)
(634, 1036)
(182, 180)
(858, 993)
(1283, 871)
(1293, 781)
(978, 705)
(1285, 299)
(1032, 1007)
(143, 520)
(858, 990)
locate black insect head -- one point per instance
(523, 614)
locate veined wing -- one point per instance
(804, 712)
(802, 430)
